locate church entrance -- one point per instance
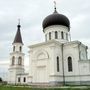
(41, 74)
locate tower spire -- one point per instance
(18, 38)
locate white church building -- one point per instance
(56, 61)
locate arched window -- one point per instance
(49, 35)
(13, 48)
(13, 60)
(24, 79)
(20, 61)
(19, 79)
(46, 37)
(62, 35)
(57, 64)
(70, 64)
(66, 36)
(56, 35)
(20, 48)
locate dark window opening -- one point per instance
(56, 35)
(24, 79)
(20, 48)
(46, 37)
(62, 35)
(66, 36)
(57, 64)
(13, 48)
(49, 35)
(19, 79)
(20, 61)
(13, 60)
(69, 64)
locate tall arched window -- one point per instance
(20, 61)
(70, 64)
(49, 35)
(57, 64)
(66, 36)
(13, 60)
(46, 37)
(20, 48)
(13, 48)
(56, 35)
(19, 79)
(24, 79)
(62, 35)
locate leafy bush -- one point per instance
(1, 79)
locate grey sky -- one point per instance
(32, 13)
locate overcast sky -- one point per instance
(31, 14)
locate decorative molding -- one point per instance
(41, 52)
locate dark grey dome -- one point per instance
(56, 19)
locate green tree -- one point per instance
(0, 79)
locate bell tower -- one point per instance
(16, 57)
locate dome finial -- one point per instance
(55, 11)
(19, 24)
(19, 21)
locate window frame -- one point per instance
(24, 79)
(13, 60)
(19, 79)
(46, 37)
(56, 35)
(13, 48)
(70, 66)
(62, 35)
(58, 68)
(66, 36)
(20, 48)
(20, 60)
(49, 35)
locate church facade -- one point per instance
(55, 61)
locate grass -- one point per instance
(14, 88)
(3, 87)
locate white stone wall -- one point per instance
(72, 51)
(16, 55)
(16, 68)
(59, 29)
(22, 76)
(43, 58)
(84, 67)
(17, 46)
(39, 61)
(83, 52)
(12, 77)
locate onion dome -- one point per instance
(56, 19)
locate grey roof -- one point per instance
(18, 38)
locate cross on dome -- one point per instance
(55, 11)
(18, 24)
(55, 5)
(19, 21)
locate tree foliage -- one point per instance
(0, 79)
